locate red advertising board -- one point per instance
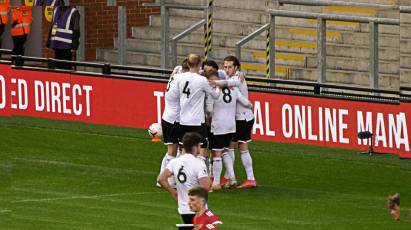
(137, 104)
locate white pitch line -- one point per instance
(85, 197)
(96, 167)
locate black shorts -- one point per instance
(220, 142)
(202, 130)
(243, 131)
(187, 218)
(170, 132)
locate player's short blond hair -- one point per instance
(193, 60)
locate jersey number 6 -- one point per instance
(181, 176)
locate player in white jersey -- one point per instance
(244, 122)
(170, 120)
(188, 172)
(223, 127)
(193, 89)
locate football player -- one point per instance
(204, 219)
(244, 122)
(193, 89)
(223, 126)
(188, 171)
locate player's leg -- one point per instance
(204, 154)
(217, 147)
(246, 156)
(217, 168)
(170, 138)
(228, 163)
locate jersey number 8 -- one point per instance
(227, 95)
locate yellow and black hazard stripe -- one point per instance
(208, 33)
(267, 53)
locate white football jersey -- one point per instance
(243, 112)
(171, 112)
(187, 171)
(193, 88)
(223, 111)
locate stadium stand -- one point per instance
(405, 43)
(296, 46)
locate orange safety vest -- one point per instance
(21, 19)
(4, 9)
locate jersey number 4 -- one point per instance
(186, 90)
(181, 176)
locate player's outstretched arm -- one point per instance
(163, 181)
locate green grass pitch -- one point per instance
(64, 175)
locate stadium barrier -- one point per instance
(165, 29)
(133, 97)
(322, 18)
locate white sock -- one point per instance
(228, 163)
(231, 153)
(217, 168)
(248, 164)
(166, 159)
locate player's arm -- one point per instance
(202, 176)
(212, 92)
(163, 181)
(243, 100)
(228, 83)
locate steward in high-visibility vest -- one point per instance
(4, 10)
(4, 17)
(47, 2)
(21, 19)
(65, 33)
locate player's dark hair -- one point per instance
(394, 200)
(184, 65)
(233, 59)
(193, 60)
(210, 63)
(211, 73)
(199, 192)
(191, 140)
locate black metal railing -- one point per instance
(296, 87)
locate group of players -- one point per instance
(210, 106)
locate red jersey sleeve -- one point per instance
(208, 220)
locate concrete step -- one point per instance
(259, 69)
(233, 4)
(338, 50)
(291, 33)
(153, 59)
(245, 28)
(387, 81)
(405, 60)
(405, 31)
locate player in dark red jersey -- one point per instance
(204, 219)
